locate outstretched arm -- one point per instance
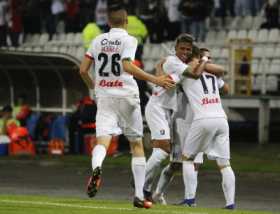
(215, 69)
(137, 72)
(84, 72)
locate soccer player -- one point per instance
(181, 123)
(209, 133)
(163, 102)
(118, 108)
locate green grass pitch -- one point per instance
(11, 204)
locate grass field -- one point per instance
(46, 205)
(245, 158)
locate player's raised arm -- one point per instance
(84, 71)
(195, 68)
(215, 69)
(163, 80)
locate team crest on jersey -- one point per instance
(162, 131)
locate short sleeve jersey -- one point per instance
(204, 96)
(108, 50)
(174, 67)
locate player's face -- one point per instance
(183, 51)
(207, 53)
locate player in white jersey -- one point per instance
(163, 102)
(118, 108)
(209, 133)
(181, 122)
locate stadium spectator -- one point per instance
(271, 13)
(242, 8)
(31, 17)
(57, 13)
(225, 8)
(15, 22)
(118, 97)
(47, 21)
(101, 18)
(22, 110)
(3, 22)
(173, 15)
(152, 13)
(90, 31)
(195, 13)
(7, 122)
(72, 18)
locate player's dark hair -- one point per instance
(117, 17)
(204, 50)
(184, 37)
(195, 52)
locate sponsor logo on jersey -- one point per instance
(110, 45)
(111, 83)
(207, 101)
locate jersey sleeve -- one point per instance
(220, 82)
(129, 48)
(90, 50)
(174, 69)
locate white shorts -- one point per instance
(210, 136)
(180, 132)
(119, 115)
(158, 119)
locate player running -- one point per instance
(118, 104)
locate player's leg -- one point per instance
(138, 166)
(106, 126)
(196, 141)
(222, 152)
(228, 182)
(165, 179)
(133, 129)
(160, 131)
(160, 153)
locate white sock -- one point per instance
(166, 176)
(138, 165)
(190, 179)
(98, 156)
(228, 184)
(158, 155)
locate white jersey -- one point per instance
(204, 96)
(174, 67)
(108, 50)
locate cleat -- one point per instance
(142, 203)
(188, 202)
(148, 196)
(230, 207)
(94, 182)
(159, 198)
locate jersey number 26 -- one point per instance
(115, 65)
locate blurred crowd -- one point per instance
(164, 19)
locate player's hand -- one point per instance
(165, 81)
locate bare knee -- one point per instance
(104, 141)
(162, 144)
(137, 148)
